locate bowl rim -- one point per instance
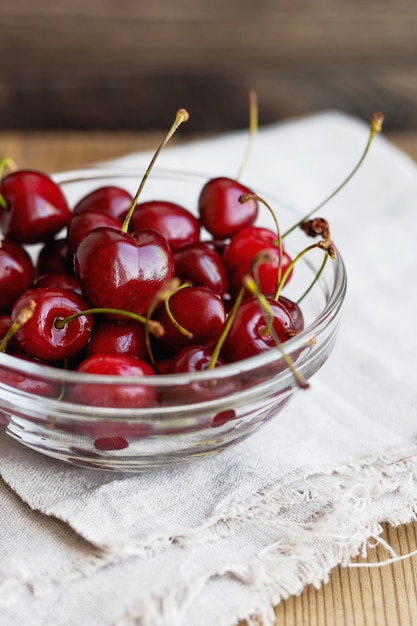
(317, 326)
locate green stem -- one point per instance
(253, 127)
(314, 281)
(10, 332)
(60, 323)
(291, 267)
(268, 314)
(172, 319)
(375, 127)
(217, 348)
(181, 116)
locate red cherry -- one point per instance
(118, 270)
(83, 223)
(198, 310)
(110, 200)
(60, 280)
(295, 312)
(36, 207)
(197, 359)
(40, 336)
(248, 334)
(118, 395)
(241, 252)
(53, 258)
(220, 211)
(201, 265)
(17, 274)
(118, 337)
(173, 221)
(13, 346)
(191, 359)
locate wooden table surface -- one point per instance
(365, 596)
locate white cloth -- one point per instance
(229, 537)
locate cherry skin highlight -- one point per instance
(249, 334)
(173, 221)
(134, 395)
(201, 265)
(241, 253)
(198, 310)
(118, 337)
(40, 336)
(17, 274)
(220, 210)
(82, 223)
(123, 271)
(110, 200)
(37, 208)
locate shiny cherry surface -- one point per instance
(40, 336)
(123, 271)
(220, 210)
(17, 274)
(173, 221)
(36, 207)
(249, 336)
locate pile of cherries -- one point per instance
(133, 288)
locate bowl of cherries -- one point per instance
(145, 327)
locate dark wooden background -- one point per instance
(129, 64)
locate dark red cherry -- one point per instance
(201, 265)
(83, 223)
(249, 334)
(220, 210)
(295, 312)
(110, 200)
(61, 280)
(13, 346)
(118, 337)
(53, 258)
(40, 336)
(117, 395)
(197, 359)
(198, 310)
(17, 274)
(123, 271)
(191, 359)
(240, 255)
(173, 221)
(36, 207)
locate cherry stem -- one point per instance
(315, 279)
(230, 319)
(181, 116)
(170, 287)
(251, 285)
(323, 244)
(172, 319)
(6, 163)
(375, 127)
(154, 327)
(269, 321)
(253, 127)
(24, 315)
(253, 196)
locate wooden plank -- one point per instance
(101, 64)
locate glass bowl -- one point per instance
(195, 414)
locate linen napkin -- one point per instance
(232, 535)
